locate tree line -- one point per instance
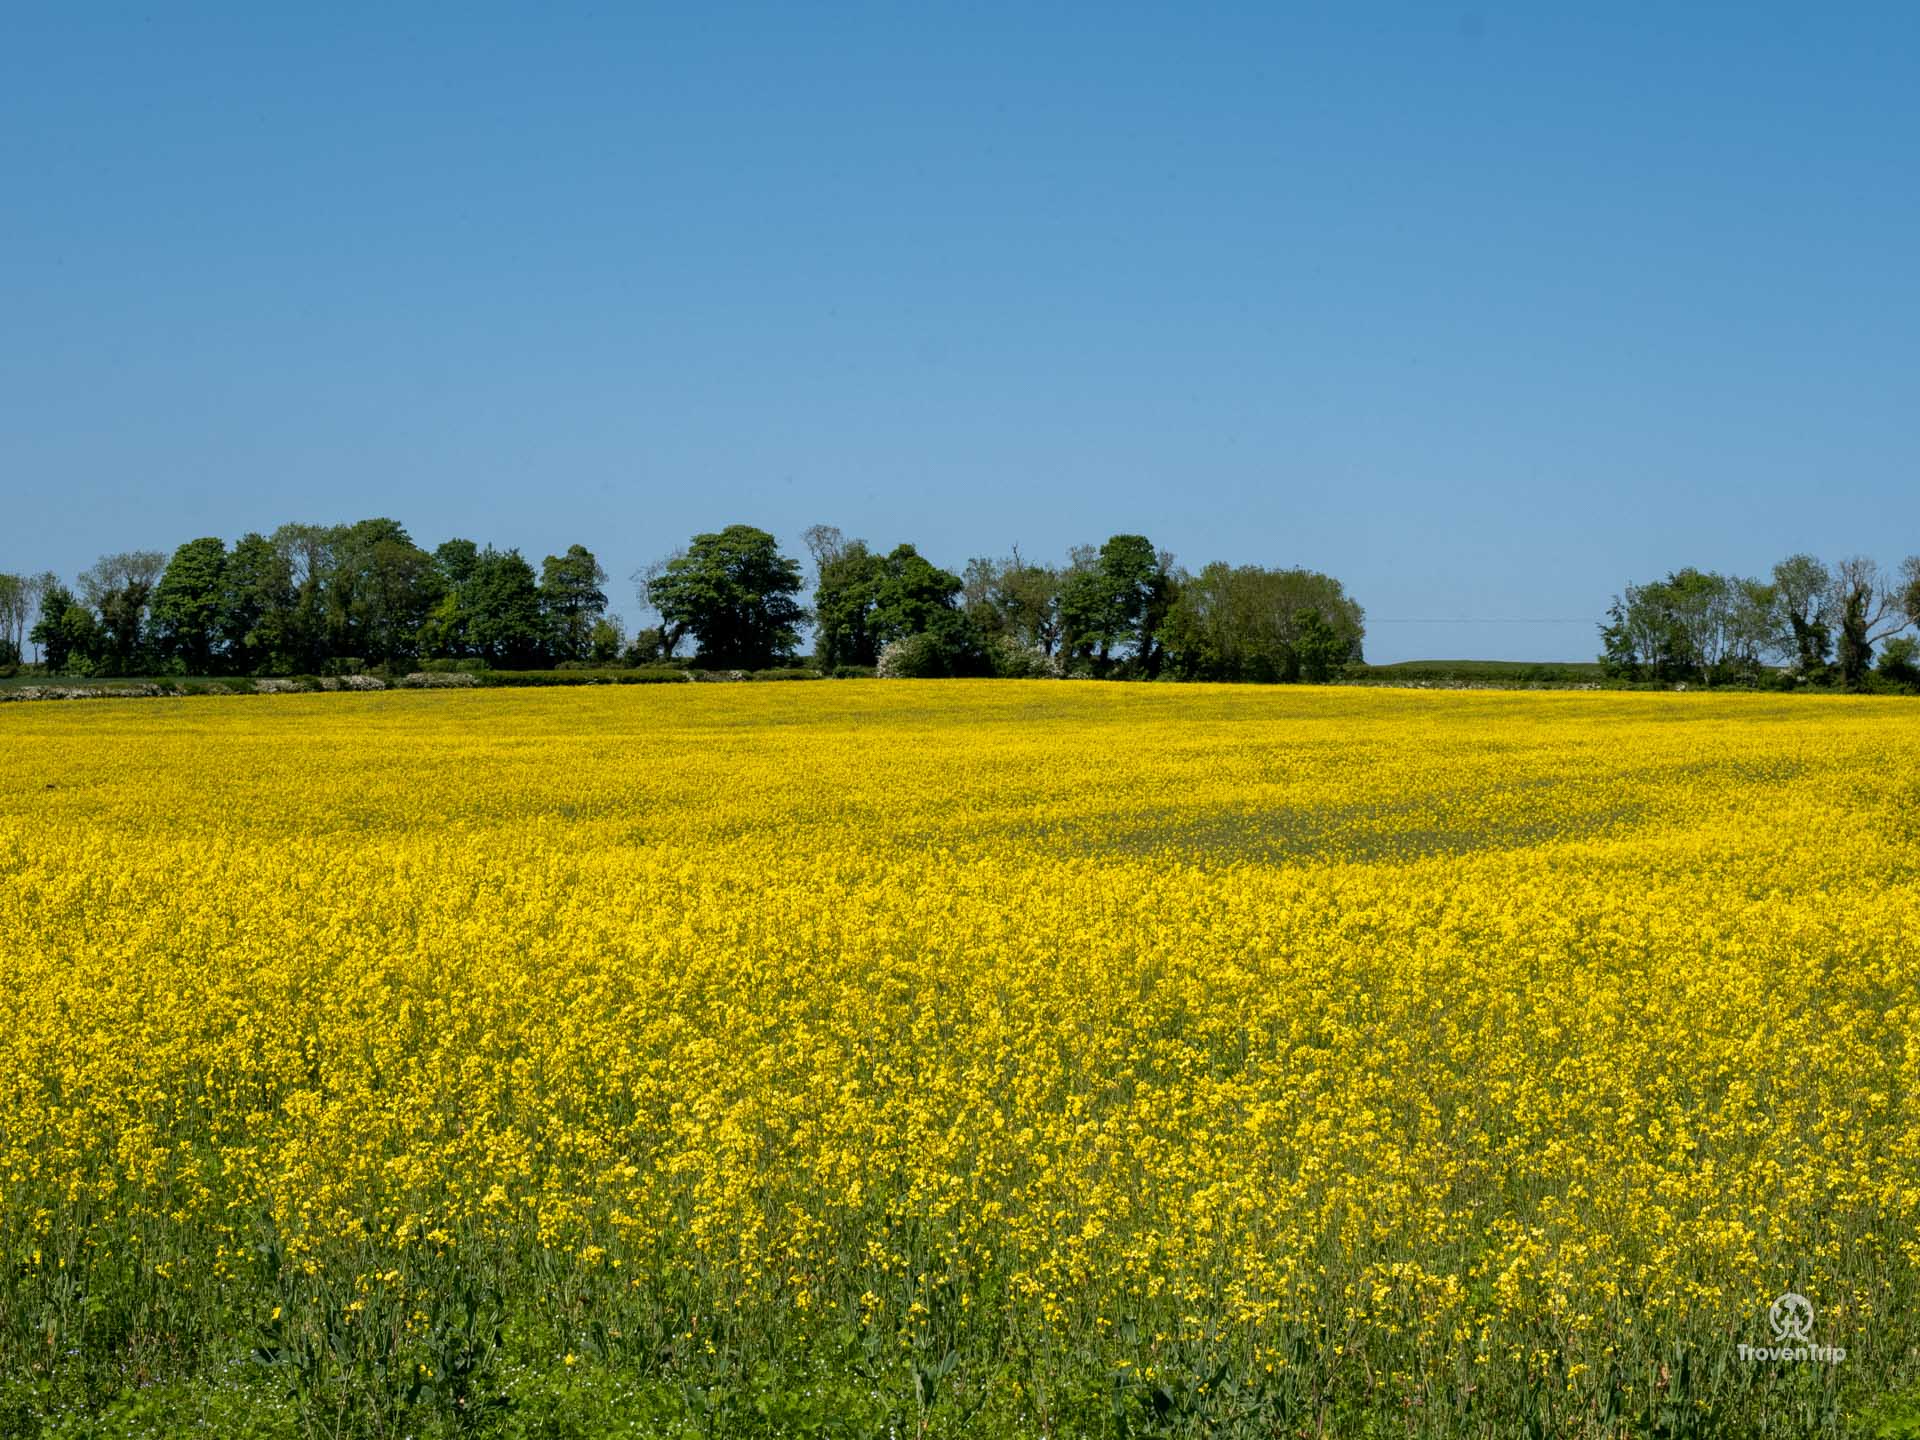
(311, 599)
(1807, 623)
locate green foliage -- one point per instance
(1900, 662)
(843, 600)
(1246, 623)
(1856, 648)
(639, 675)
(256, 630)
(868, 607)
(1112, 604)
(606, 640)
(64, 629)
(733, 591)
(1700, 626)
(189, 604)
(119, 588)
(499, 611)
(17, 600)
(379, 592)
(573, 597)
(1014, 601)
(1319, 646)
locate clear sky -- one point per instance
(1486, 309)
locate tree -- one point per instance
(1247, 623)
(1113, 602)
(256, 610)
(825, 544)
(844, 596)
(501, 600)
(307, 553)
(1318, 646)
(1692, 625)
(380, 589)
(606, 640)
(914, 598)
(1908, 589)
(573, 599)
(456, 559)
(16, 603)
(444, 632)
(655, 642)
(1803, 593)
(1229, 623)
(1900, 661)
(1014, 600)
(39, 587)
(1881, 597)
(1753, 620)
(53, 632)
(120, 589)
(733, 592)
(187, 606)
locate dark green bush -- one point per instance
(643, 675)
(1900, 662)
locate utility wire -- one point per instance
(1377, 620)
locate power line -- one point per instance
(1377, 620)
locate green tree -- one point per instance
(256, 610)
(914, 598)
(119, 588)
(444, 632)
(1112, 604)
(16, 603)
(1856, 648)
(1244, 623)
(846, 573)
(187, 607)
(1014, 600)
(607, 640)
(1319, 647)
(573, 598)
(457, 560)
(54, 633)
(380, 590)
(1645, 636)
(307, 552)
(733, 591)
(501, 599)
(1803, 590)
(1907, 590)
(1900, 661)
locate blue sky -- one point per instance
(1486, 309)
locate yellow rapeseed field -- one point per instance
(1050, 1058)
